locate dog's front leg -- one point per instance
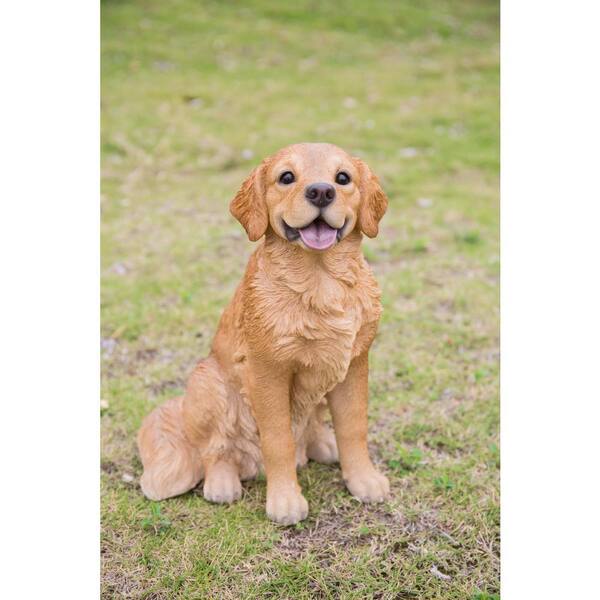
(269, 392)
(348, 404)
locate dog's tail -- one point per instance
(171, 463)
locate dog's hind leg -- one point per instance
(197, 436)
(321, 445)
(222, 482)
(172, 466)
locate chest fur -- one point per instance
(317, 332)
(312, 319)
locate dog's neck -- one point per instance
(291, 263)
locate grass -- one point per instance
(194, 95)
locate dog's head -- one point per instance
(310, 194)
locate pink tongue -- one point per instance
(318, 235)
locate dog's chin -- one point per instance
(317, 235)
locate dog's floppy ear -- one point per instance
(249, 206)
(373, 202)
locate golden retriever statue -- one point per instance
(293, 341)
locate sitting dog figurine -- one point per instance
(293, 341)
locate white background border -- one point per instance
(49, 303)
(550, 295)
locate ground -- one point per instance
(194, 94)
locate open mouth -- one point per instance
(318, 235)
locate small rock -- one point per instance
(119, 268)
(456, 131)
(108, 345)
(247, 154)
(437, 573)
(307, 64)
(408, 152)
(103, 403)
(127, 477)
(447, 394)
(163, 65)
(227, 62)
(425, 202)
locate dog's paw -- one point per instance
(368, 486)
(286, 507)
(222, 489)
(323, 449)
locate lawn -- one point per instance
(194, 94)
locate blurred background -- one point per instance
(194, 95)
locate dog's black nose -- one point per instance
(320, 194)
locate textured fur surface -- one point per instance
(293, 341)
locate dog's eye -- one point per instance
(286, 178)
(342, 178)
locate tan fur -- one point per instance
(294, 339)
